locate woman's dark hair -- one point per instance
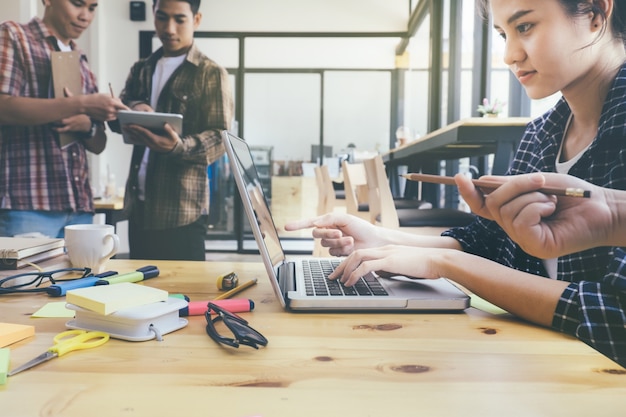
(194, 4)
(576, 8)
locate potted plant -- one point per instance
(487, 109)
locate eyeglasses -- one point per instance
(244, 334)
(29, 282)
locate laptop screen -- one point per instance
(250, 178)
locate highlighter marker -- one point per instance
(140, 274)
(234, 305)
(59, 290)
(180, 296)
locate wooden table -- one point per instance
(112, 208)
(468, 364)
(475, 136)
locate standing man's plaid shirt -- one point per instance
(35, 173)
(177, 182)
(592, 307)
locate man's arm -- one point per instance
(98, 141)
(23, 111)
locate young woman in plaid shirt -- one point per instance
(575, 47)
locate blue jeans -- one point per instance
(48, 223)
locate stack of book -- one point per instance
(19, 252)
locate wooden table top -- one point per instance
(472, 136)
(468, 364)
(115, 203)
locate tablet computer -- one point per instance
(150, 120)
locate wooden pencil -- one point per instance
(492, 185)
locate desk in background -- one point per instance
(467, 364)
(477, 136)
(112, 208)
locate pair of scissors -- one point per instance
(65, 342)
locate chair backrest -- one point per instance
(325, 204)
(384, 212)
(381, 201)
(355, 185)
(325, 191)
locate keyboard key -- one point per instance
(316, 272)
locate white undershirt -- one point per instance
(164, 69)
(63, 47)
(551, 265)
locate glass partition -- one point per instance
(416, 84)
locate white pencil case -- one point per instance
(136, 324)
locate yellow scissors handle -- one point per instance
(77, 339)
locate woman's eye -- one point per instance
(524, 27)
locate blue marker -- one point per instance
(59, 290)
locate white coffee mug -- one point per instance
(91, 245)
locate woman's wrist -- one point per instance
(616, 200)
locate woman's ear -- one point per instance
(600, 20)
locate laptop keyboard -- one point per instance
(316, 282)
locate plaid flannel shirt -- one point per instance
(176, 192)
(592, 307)
(35, 173)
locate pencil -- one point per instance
(236, 290)
(111, 91)
(492, 185)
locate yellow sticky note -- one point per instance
(54, 309)
(13, 332)
(485, 305)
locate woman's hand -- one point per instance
(391, 260)
(545, 225)
(342, 233)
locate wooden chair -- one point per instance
(326, 199)
(355, 187)
(383, 211)
(326, 203)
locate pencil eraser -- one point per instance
(5, 356)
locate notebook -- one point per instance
(66, 74)
(291, 279)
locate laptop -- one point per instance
(300, 284)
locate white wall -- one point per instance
(20, 11)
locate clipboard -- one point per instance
(66, 73)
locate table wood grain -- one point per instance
(467, 364)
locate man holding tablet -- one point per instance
(167, 189)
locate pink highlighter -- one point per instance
(234, 305)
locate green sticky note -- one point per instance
(54, 309)
(5, 356)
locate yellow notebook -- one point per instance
(11, 333)
(107, 299)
